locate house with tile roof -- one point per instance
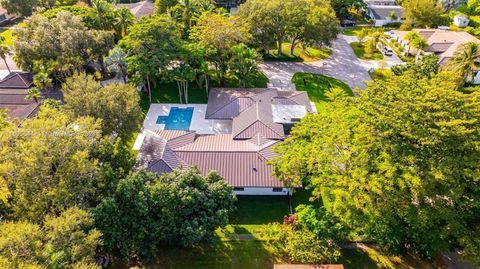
(13, 93)
(441, 42)
(250, 122)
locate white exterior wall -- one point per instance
(262, 191)
(380, 23)
(476, 78)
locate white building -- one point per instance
(383, 12)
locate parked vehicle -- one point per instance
(348, 23)
(387, 51)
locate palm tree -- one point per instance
(5, 51)
(103, 14)
(466, 59)
(123, 19)
(34, 94)
(42, 80)
(244, 62)
(416, 41)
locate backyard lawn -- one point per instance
(301, 54)
(316, 85)
(359, 49)
(352, 31)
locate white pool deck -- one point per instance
(198, 123)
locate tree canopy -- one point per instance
(422, 13)
(117, 105)
(182, 207)
(398, 163)
(63, 44)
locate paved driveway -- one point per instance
(342, 65)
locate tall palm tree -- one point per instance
(466, 59)
(123, 19)
(5, 51)
(117, 63)
(34, 94)
(103, 14)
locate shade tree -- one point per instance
(180, 208)
(398, 163)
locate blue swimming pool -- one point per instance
(179, 118)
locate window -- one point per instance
(277, 189)
(238, 189)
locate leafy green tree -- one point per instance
(270, 20)
(194, 55)
(466, 60)
(86, 13)
(70, 238)
(67, 241)
(152, 44)
(422, 13)
(47, 164)
(163, 211)
(104, 14)
(63, 43)
(315, 25)
(416, 41)
(471, 7)
(20, 244)
(398, 163)
(425, 67)
(218, 33)
(343, 7)
(243, 62)
(117, 105)
(25, 7)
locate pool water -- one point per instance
(179, 118)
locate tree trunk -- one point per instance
(186, 92)
(6, 64)
(206, 84)
(292, 47)
(179, 90)
(124, 78)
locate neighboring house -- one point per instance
(383, 12)
(139, 9)
(233, 134)
(5, 16)
(441, 42)
(460, 21)
(13, 93)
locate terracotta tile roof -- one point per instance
(139, 9)
(17, 80)
(258, 119)
(229, 103)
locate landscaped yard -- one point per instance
(379, 73)
(168, 92)
(301, 54)
(316, 85)
(252, 217)
(359, 49)
(352, 31)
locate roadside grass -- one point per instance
(168, 92)
(359, 50)
(300, 54)
(316, 85)
(353, 31)
(380, 73)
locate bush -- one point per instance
(303, 246)
(393, 25)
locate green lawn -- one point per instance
(300, 54)
(7, 34)
(359, 49)
(168, 92)
(380, 73)
(352, 31)
(316, 85)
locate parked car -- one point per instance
(387, 51)
(348, 23)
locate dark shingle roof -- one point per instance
(17, 80)
(382, 12)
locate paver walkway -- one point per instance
(342, 65)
